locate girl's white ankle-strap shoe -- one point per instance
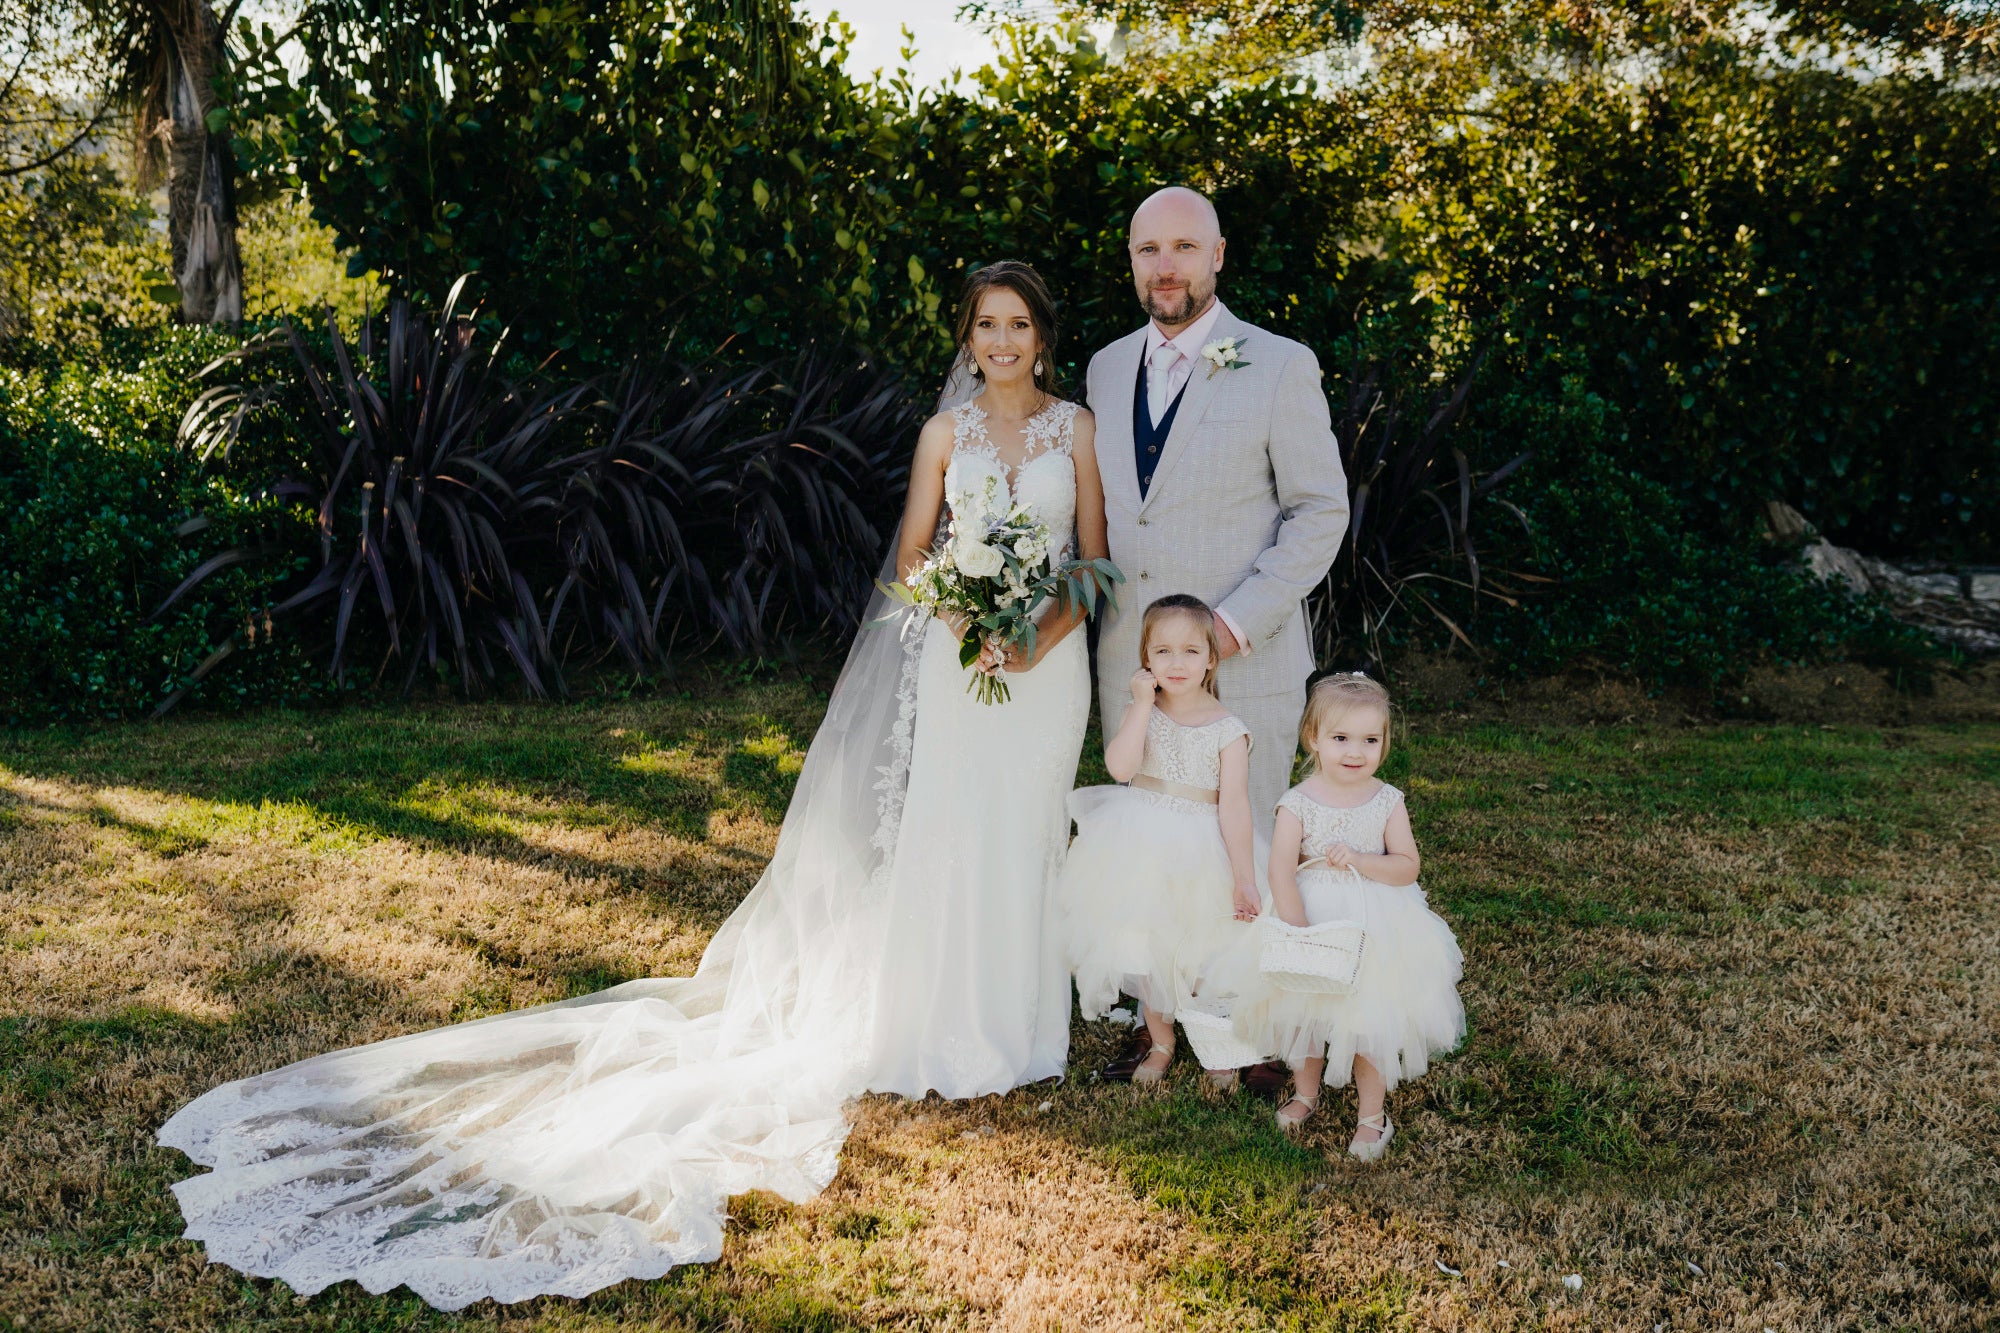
(1291, 1123)
(1147, 1073)
(1369, 1152)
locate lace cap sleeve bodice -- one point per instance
(1360, 826)
(1191, 756)
(1044, 479)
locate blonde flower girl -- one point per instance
(1160, 868)
(1342, 851)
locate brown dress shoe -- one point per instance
(1268, 1080)
(1121, 1068)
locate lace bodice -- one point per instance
(1360, 827)
(1044, 480)
(1190, 756)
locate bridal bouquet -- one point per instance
(996, 567)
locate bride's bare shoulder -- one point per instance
(1084, 430)
(935, 440)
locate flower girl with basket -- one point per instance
(1351, 973)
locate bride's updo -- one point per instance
(1024, 282)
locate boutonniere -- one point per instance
(1224, 354)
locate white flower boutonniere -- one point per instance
(1224, 354)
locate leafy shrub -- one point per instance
(77, 257)
(1622, 578)
(1783, 276)
(623, 173)
(93, 492)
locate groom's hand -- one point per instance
(1226, 640)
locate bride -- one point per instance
(896, 943)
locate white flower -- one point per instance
(973, 506)
(1224, 354)
(977, 558)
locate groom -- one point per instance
(1222, 479)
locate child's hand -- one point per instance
(1341, 855)
(1246, 904)
(1143, 686)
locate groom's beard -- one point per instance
(1175, 308)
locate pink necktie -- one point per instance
(1160, 379)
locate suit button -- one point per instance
(1143, 576)
(1142, 522)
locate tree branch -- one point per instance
(57, 154)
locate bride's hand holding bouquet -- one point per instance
(994, 571)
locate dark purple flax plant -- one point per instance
(472, 524)
(1413, 502)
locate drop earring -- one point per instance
(1038, 367)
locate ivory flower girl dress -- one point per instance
(1404, 1007)
(1145, 891)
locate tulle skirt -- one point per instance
(1404, 1007)
(1144, 895)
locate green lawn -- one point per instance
(1734, 993)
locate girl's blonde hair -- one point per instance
(1181, 604)
(1341, 692)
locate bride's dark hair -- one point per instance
(1025, 283)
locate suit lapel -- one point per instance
(1115, 427)
(1195, 400)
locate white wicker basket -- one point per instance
(1319, 960)
(1213, 1037)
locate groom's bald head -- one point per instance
(1176, 247)
(1179, 210)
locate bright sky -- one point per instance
(942, 42)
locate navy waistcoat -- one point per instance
(1147, 439)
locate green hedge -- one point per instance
(1787, 280)
(92, 490)
(1785, 277)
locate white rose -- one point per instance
(978, 559)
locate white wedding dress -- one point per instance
(976, 998)
(897, 942)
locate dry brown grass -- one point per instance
(1733, 992)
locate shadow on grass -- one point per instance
(469, 778)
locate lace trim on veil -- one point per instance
(894, 783)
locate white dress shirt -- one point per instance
(1188, 342)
